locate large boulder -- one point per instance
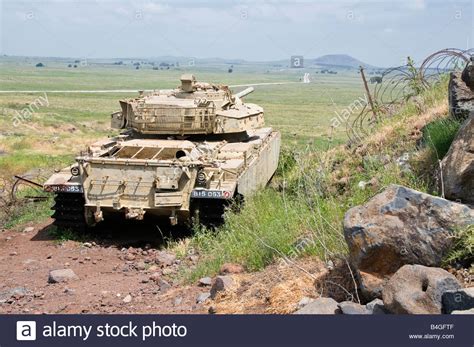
(320, 306)
(400, 226)
(461, 97)
(458, 300)
(458, 165)
(417, 289)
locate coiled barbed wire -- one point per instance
(399, 84)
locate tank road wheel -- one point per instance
(69, 211)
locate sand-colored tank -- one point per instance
(184, 152)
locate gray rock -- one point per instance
(62, 275)
(471, 311)
(461, 97)
(221, 284)
(304, 301)
(28, 229)
(164, 258)
(202, 297)
(14, 293)
(376, 306)
(140, 266)
(400, 226)
(164, 286)
(458, 300)
(349, 307)
(205, 281)
(458, 165)
(320, 306)
(417, 289)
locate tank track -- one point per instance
(69, 211)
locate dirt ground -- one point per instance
(127, 272)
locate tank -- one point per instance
(182, 153)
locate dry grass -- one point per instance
(277, 289)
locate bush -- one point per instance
(463, 249)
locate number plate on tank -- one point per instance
(210, 194)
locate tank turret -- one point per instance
(191, 109)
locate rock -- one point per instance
(28, 229)
(471, 311)
(304, 301)
(69, 291)
(178, 301)
(127, 299)
(140, 266)
(12, 254)
(155, 277)
(168, 271)
(231, 268)
(396, 227)
(458, 300)
(153, 268)
(129, 257)
(221, 284)
(349, 307)
(164, 286)
(417, 289)
(320, 306)
(62, 275)
(18, 293)
(202, 297)
(376, 306)
(205, 281)
(468, 75)
(461, 97)
(458, 165)
(87, 244)
(165, 258)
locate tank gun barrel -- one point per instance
(244, 92)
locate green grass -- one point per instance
(439, 135)
(63, 235)
(26, 213)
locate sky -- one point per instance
(378, 32)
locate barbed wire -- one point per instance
(396, 85)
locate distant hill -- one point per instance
(341, 60)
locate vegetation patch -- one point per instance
(301, 213)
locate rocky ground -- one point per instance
(129, 273)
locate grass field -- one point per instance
(62, 126)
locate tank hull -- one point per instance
(173, 179)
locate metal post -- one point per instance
(369, 96)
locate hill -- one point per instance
(341, 60)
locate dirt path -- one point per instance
(107, 272)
